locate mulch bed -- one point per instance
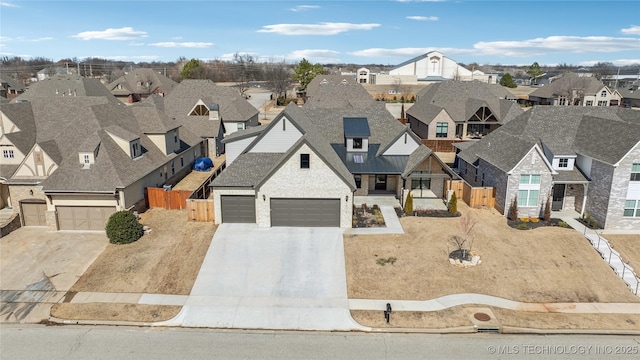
(364, 216)
(427, 213)
(533, 224)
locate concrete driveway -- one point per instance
(271, 278)
(38, 266)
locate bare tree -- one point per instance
(463, 243)
(244, 69)
(279, 78)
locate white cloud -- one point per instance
(325, 28)
(407, 52)
(557, 44)
(6, 4)
(304, 8)
(619, 62)
(186, 44)
(315, 55)
(4, 38)
(524, 48)
(423, 18)
(136, 44)
(633, 30)
(125, 33)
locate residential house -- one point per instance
(631, 95)
(51, 71)
(304, 168)
(65, 85)
(207, 110)
(139, 84)
(579, 158)
(10, 87)
(337, 91)
(577, 90)
(458, 110)
(69, 164)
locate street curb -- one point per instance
(58, 321)
(520, 330)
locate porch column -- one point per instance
(584, 198)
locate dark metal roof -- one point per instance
(371, 164)
(356, 127)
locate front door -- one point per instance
(558, 197)
(381, 182)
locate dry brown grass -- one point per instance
(541, 265)
(452, 317)
(629, 248)
(164, 261)
(114, 312)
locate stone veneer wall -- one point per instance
(619, 187)
(599, 191)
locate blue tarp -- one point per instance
(203, 164)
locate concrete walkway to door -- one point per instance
(271, 278)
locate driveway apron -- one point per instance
(271, 278)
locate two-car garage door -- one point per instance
(83, 217)
(305, 212)
(284, 211)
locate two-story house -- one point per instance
(577, 90)
(139, 84)
(304, 168)
(580, 158)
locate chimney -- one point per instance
(214, 112)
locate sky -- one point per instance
(386, 32)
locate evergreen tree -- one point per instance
(507, 80)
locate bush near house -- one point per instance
(123, 228)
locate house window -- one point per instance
(528, 198)
(86, 159)
(357, 143)
(304, 161)
(405, 138)
(175, 137)
(635, 172)
(632, 208)
(563, 163)
(442, 128)
(603, 93)
(528, 190)
(358, 159)
(589, 103)
(7, 154)
(173, 168)
(562, 101)
(284, 124)
(135, 149)
(240, 126)
(602, 102)
(181, 162)
(358, 179)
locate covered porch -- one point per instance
(569, 191)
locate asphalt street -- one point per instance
(107, 342)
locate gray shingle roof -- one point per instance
(567, 82)
(77, 124)
(135, 82)
(184, 97)
(605, 134)
(461, 99)
(337, 91)
(65, 86)
(9, 82)
(247, 170)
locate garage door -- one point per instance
(83, 217)
(305, 212)
(238, 209)
(33, 214)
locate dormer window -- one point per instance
(356, 134)
(563, 163)
(86, 159)
(357, 143)
(135, 150)
(175, 136)
(119, 86)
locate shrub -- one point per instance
(123, 228)
(453, 204)
(522, 227)
(563, 224)
(535, 220)
(408, 205)
(383, 261)
(547, 210)
(513, 210)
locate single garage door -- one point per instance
(33, 214)
(238, 209)
(83, 217)
(305, 212)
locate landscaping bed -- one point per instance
(365, 216)
(534, 223)
(420, 212)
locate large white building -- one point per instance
(428, 68)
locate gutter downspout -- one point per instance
(505, 211)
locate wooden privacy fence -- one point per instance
(167, 199)
(200, 209)
(440, 145)
(475, 197)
